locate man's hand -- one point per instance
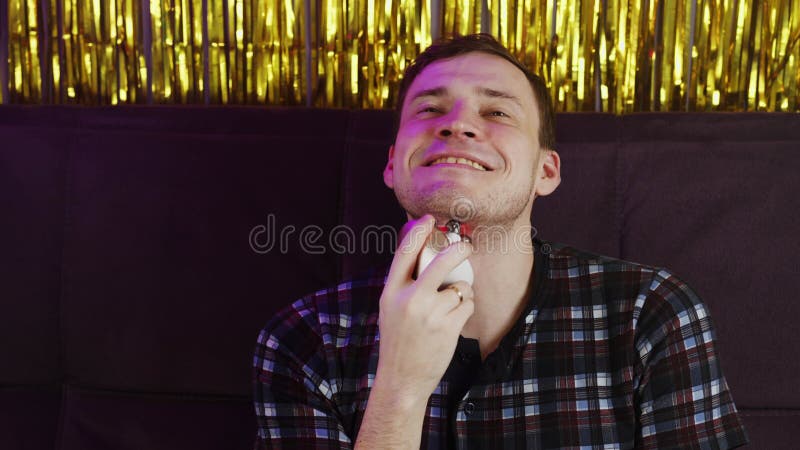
(419, 325)
(419, 328)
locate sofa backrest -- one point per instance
(143, 248)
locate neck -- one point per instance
(503, 264)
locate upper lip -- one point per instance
(456, 154)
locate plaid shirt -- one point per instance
(611, 355)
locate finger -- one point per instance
(433, 275)
(452, 295)
(459, 315)
(405, 258)
(448, 298)
(461, 289)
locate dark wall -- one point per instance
(135, 273)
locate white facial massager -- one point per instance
(437, 242)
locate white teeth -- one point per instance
(454, 160)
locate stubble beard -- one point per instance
(492, 209)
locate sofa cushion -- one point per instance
(101, 420)
(582, 211)
(32, 206)
(370, 213)
(710, 197)
(29, 417)
(163, 289)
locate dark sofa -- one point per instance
(136, 268)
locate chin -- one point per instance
(443, 204)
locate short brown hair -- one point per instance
(485, 43)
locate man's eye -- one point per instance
(498, 114)
(429, 109)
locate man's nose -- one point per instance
(457, 125)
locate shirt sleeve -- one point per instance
(683, 398)
(293, 403)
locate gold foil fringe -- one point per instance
(616, 56)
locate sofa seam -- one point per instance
(147, 394)
(67, 181)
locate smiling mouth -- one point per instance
(454, 160)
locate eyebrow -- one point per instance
(433, 92)
(487, 92)
(499, 94)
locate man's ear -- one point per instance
(549, 173)
(388, 171)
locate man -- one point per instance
(548, 346)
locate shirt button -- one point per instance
(469, 408)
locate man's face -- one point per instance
(467, 146)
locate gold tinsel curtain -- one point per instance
(596, 55)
